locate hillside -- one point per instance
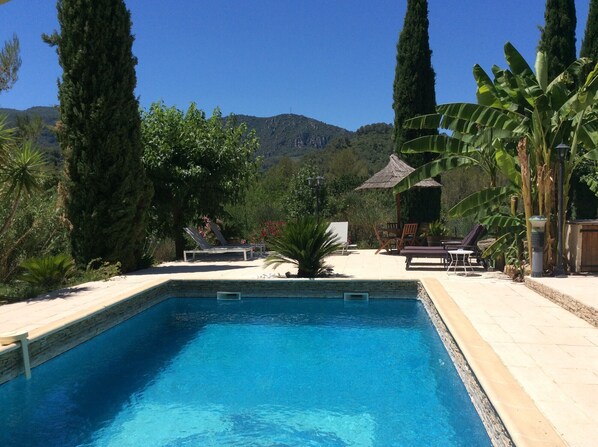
(49, 116)
(290, 135)
(282, 135)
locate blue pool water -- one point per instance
(260, 372)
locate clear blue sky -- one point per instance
(332, 60)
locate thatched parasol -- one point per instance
(395, 171)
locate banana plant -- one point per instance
(518, 121)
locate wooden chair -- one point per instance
(384, 240)
(408, 237)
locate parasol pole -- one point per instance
(398, 201)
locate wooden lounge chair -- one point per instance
(204, 247)
(469, 242)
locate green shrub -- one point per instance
(37, 230)
(437, 228)
(100, 270)
(305, 242)
(47, 271)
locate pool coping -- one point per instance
(525, 424)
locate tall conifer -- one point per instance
(106, 191)
(558, 36)
(589, 44)
(415, 94)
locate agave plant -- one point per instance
(47, 271)
(305, 242)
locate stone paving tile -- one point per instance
(582, 435)
(512, 355)
(567, 376)
(493, 333)
(540, 387)
(548, 355)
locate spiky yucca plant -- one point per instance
(305, 242)
(47, 271)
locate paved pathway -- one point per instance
(550, 352)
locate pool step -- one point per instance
(356, 296)
(228, 296)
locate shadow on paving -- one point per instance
(61, 293)
(200, 268)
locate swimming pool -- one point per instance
(255, 372)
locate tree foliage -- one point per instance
(106, 190)
(414, 94)
(10, 62)
(557, 41)
(197, 165)
(589, 44)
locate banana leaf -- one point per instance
(481, 200)
(592, 155)
(441, 144)
(501, 245)
(432, 169)
(508, 166)
(542, 70)
(482, 115)
(504, 222)
(588, 134)
(515, 60)
(430, 121)
(486, 93)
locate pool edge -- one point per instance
(525, 423)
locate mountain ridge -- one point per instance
(284, 135)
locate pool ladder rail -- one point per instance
(228, 296)
(356, 296)
(22, 339)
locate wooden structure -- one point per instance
(387, 178)
(581, 245)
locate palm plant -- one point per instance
(518, 120)
(21, 169)
(47, 271)
(305, 242)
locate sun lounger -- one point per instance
(341, 231)
(469, 242)
(424, 252)
(204, 247)
(216, 230)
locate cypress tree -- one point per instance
(106, 192)
(558, 36)
(589, 44)
(414, 94)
